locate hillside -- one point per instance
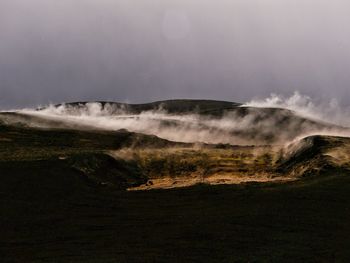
(73, 186)
(166, 164)
(315, 155)
(184, 106)
(63, 199)
(188, 121)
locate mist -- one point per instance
(328, 111)
(236, 50)
(252, 126)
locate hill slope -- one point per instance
(180, 120)
(180, 106)
(64, 180)
(315, 155)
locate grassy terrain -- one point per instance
(51, 214)
(173, 162)
(63, 199)
(156, 158)
(17, 143)
(81, 153)
(178, 167)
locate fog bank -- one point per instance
(240, 126)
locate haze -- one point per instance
(146, 50)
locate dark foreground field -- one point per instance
(51, 214)
(63, 198)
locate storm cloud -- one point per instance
(146, 50)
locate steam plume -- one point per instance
(329, 112)
(243, 125)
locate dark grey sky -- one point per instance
(145, 50)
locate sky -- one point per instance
(140, 51)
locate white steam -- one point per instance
(247, 125)
(329, 112)
(181, 128)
